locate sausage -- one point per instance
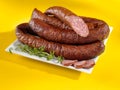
(86, 64)
(50, 33)
(80, 64)
(71, 52)
(89, 64)
(49, 19)
(92, 23)
(71, 19)
(68, 62)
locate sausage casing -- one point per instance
(71, 52)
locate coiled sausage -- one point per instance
(71, 52)
(51, 33)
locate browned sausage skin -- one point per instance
(51, 20)
(67, 36)
(71, 19)
(92, 23)
(71, 52)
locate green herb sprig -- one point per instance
(60, 59)
(10, 50)
(40, 52)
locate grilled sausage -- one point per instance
(71, 52)
(67, 36)
(71, 19)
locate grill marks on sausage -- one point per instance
(71, 52)
(71, 19)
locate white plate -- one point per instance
(43, 59)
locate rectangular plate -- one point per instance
(43, 59)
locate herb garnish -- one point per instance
(10, 50)
(40, 52)
(60, 59)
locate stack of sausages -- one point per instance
(76, 38)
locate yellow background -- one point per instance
(20, 73)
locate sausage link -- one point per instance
(92, 23)
(51, 20)
(71, 19)
(67, 36)
(71, 52)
